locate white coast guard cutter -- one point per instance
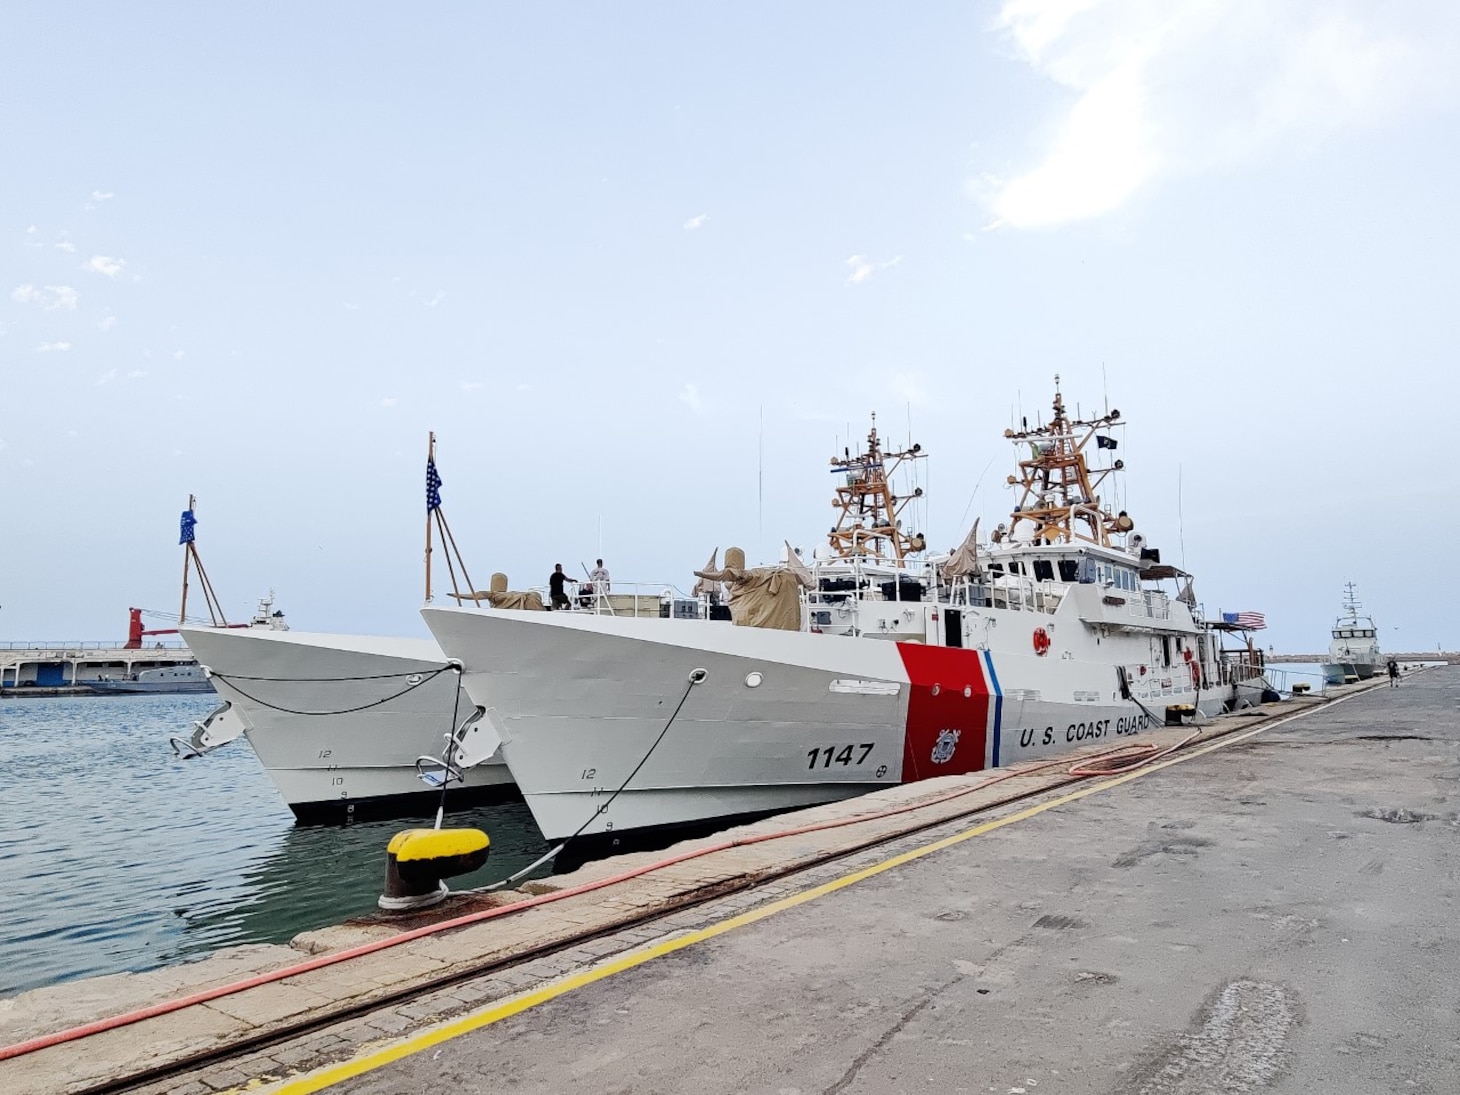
(350, 726)
(1055, 635)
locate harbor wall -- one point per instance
(27, 667)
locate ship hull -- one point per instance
(337, 723)
(148, 688)
(780, 720)
(1346, 672)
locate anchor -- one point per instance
(222, 725)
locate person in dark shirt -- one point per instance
(556, 596)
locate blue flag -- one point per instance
(185, 535)
(433, 485)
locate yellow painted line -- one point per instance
(504, 1009)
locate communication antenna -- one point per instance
(977, 483)
(1180, 521)
(760, 486)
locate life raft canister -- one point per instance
(1041, 641)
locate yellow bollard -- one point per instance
(416, 861)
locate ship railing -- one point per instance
(1239, 669)
(1150, 604)
(1014, 593)
(1026, 594)
(650, 599)
(839, 580)
(69, 648)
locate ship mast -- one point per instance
(436, 516)
(1059, 499)
(1351, 604)
(869, 524)
(187, 539)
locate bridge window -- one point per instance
(1069, 570)
(1044, 570)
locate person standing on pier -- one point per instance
(1393, 673)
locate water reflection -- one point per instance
(318, 875)
(117, 855)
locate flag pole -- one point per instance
(182, 614)
(430, 460)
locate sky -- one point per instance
(644, 268)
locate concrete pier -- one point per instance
(1271, 909)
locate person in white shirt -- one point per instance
(599, 576)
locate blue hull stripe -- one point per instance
(988, 660)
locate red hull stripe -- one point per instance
(948, 711)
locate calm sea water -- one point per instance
(116, 855)
(1287, 674)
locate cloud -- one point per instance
(102, 195)
(351, 307)
(136, 373)
(860, 267)
(101, 264)
(107, 322)
(389, 401)
(435, 300)
(178, 355)
(106, 377)
(66, 245)
(472, 385)
(524, 387)
(694, 222)
(690, 397)
(50, 297)
(52, 347)
(1158, 91)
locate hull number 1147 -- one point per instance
(845, 755)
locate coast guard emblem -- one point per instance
(944, 746)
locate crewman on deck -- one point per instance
(599, 576)
(557, 598)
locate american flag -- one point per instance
(185, 533)
(433, 485)
(1252, 621)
